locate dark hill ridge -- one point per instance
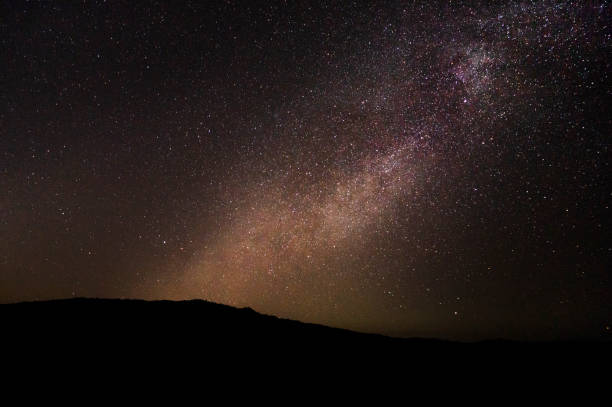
(202, 331)
(172, 319)
(187, 317)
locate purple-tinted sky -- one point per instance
(409, 168)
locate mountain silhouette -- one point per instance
(193, 321)
(167, 333)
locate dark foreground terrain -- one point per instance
(166, 334)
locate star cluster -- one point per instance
(412, 168)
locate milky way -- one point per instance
(410, 169)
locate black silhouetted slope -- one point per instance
(195, 326)
(198, 331)
(189, 321)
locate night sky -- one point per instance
(428, 168)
